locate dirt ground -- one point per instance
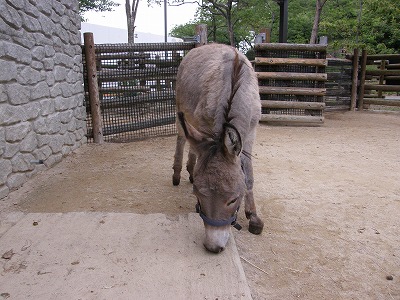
(329, 197)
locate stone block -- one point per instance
(53, 159)
(11, 114)
(17, 53)
(17, 4)
(2, 140)
(17, 132)
(4, 191)
(16, 180)
(56, 143)
(11, 16)
(60, 73)
(48, 64)
(38, 53)
(8, 70)
(28, 75)
(32, 110)
(39, 91)
(30, 24)
(18, 94)
(22, 162)
(66, 116)
(3, 93)
(29, 143)
(42, 153)
(47, 107)
(10, 150)
(5, 170)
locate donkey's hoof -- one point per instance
(256, 227)
(176, 180)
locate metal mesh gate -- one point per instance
(136, 89)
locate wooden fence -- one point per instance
(291, 82)
(135, 86)
(379, 80)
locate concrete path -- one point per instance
(113, 256)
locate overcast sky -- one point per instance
(148, 19)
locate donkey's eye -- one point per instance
(232, 202)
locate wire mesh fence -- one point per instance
(136, 89)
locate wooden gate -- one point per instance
(379, 80)
(291, 82)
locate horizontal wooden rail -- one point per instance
(380, 101)
(286, 46)
(292, 119)
(382, 72)
(291, 61)
(124, 89)
(292, 76)
(393, 66)
(382, 56)
(386, 88)
(292, 104)
(143, 47)
(292, 91)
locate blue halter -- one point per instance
(218, 223)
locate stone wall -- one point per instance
(42, 118)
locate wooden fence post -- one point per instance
(362, 80)
(94, 100)
(201, 32)
(354, 81)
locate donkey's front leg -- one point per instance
(191, 163)
(256, 225)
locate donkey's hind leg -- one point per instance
(191, 163)
(180, 145)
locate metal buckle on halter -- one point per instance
(217, 223)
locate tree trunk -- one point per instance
(318, 9)
(131, 12)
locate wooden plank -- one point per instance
(287, 46)
(354, 80)
(362, 79)
(292, 91)
(124, 89)
(383, 56)
(385, 102)
(292, 76)
(142, 47)
(382, 72)
(291, 61)
(292, 104)
(386, 88)
(292, 119)
(93, 88)
(393, 66)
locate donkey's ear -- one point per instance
(191, 133)
(232, 140)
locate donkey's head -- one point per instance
(219, 182)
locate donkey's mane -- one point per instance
(212, 143)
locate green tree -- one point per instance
(96, 5)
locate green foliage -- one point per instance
(96, 5)
(378, 29)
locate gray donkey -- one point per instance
(218, 109)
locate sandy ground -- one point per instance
(329, 197)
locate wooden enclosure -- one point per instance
(379, 80)
(135, 87)
(291, 82)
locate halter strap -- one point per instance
(218, 223)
